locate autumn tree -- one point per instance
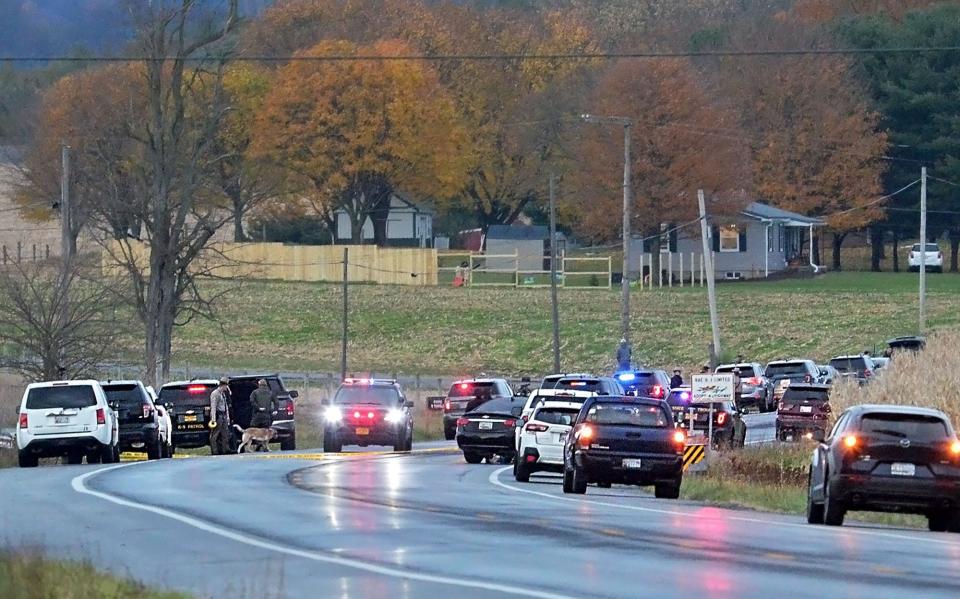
(681, 142)
(359, 130)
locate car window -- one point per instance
(620, 414)
(196, 395)
(931, 247)
(497, 405)
(787, 369)
(592, 385)
(72, 396)
(128, 396)
(840, 425)
(849, 364)
(366, 394)
(914, 427)
(564, 416)
(745, 371)
(795, 394)
(470, 389)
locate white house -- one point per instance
(408, 225)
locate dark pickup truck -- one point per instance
(624, 440)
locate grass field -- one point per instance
(443, 330)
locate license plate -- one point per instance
(898, 469)
(191, 418)
(806, 409)
(632, 464)
(61, 419)
(363, 431)
(486, 426)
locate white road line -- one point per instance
(494, 479)
(79, 485)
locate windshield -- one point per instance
(787, 369)
(564, 416)
(849, 364)
(473, 389)
(620, 414)
(591, 385)
(71, 397)
(793, 394)
(745, 371)
(128, 396)
(931, 247)
(188, 395)
(385, 396)
(905, 426)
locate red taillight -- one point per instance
(446, 405)
(534, 427)
(657, 391)
(721, 418)
(531, 459)
(463, 421)
(101, 417)
(196, 389)
(755, 381)
(510, 422)
(867, 373)
(24, 421)
(147, 410)
(290, 407)
(954, 447)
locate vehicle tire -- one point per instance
(473, 458)
(567, 481)
(155, 451)
(667, 491)
(409, 441)
(107, 454)
(814, 510)
(578, 484)
(939, 521)
(520, 471)
(604, 484)
(93, 457)
(833, 510)
(449, 434)
(289, 444)
(27, 460)
(331, 444)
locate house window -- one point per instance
(771, 238)
(729, 238)
(781, 233)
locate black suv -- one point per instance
(466, 391)
(241, 387)
(626, 440)
(645, 383)
(189, 405)
(887, 459)
(368, 412)
(138, 418)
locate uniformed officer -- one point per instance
(220, 435)
(264, 405)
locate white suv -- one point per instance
(67, 418)
(933, 259)
(543, 437)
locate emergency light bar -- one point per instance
(626, 376)
(353, 381)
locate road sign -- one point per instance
(713, 387)
(693, 454)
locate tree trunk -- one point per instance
(377, 193)
(954, 237)
(816, 248)
(876, 248)
(895, 241)
(238, 234)
(837, 245)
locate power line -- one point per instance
(579, 56)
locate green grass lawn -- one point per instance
(442, 330)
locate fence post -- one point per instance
(669, 269)
(701, 270)
(610, 271)
(659, 269)
(693, 264)
(680, 254)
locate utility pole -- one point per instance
(627, 195)
(711, 273)
(553, 276)
(923, 248)
(343, 333)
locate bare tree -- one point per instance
(55, 321)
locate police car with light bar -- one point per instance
(188, 403)
(368, 412)
(644, 382)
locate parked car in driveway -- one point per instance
(139, 419)
(756, 390)
(933, 259)
(856, 367)
(624, 440)
(70, 419)
(804, 411)
(888, 459)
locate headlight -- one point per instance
(394, 416)
(333, 414)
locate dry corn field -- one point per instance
(930, 378)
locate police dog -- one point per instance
(260, 437)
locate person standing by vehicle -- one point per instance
(677, 379)
(264, 405)
(524, 389)
(220, 435)
(624, 352)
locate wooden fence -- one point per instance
(585, 273)
(276, 261)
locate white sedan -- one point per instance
(542, 438)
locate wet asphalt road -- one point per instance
(429, 525)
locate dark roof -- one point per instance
(896, 409)
(762, 211)
(518, 232)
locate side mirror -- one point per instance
(294, 394)
(408, 404)
(324, 402)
